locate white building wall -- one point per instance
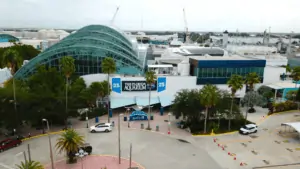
(272, 74)
(173, 85)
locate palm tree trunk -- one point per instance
(247, 110)
(108, 93)
(205, 119)
(149, 109)
(67, 79)
(229, 121)
(15, 100)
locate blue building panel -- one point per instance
(218, 80)
(231, 63)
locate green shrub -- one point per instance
(285, 106)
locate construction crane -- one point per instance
(114, 17)
(187, 34)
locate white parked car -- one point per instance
(101, 127)
(248, 129)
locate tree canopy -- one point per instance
(26, 52)
(42, 95)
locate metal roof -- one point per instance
(295, 125)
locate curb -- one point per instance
(42, 135)
(210, 135)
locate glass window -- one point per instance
(209, 72)
(200, 72)
(220, 72)
(229, 72)
(214, 72)
(204, 72)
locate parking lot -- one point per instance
(271, 145)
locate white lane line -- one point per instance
(6, 166)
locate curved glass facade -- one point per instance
(89, 46)
(7, 38)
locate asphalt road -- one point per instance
(151, 150)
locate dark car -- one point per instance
(87, 148)
(9, 143)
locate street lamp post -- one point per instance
(81, 154)
(127, 111)
(169, 125)
(119, 137)
(50, 145)
(87, 119)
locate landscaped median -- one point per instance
(213, 134)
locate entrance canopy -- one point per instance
(140, 102)
(281, 85)
(295, 125)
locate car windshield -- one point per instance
(99, 124)
(245, 127)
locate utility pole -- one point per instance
(26, 162)
(119, 139)
(29, 154)
(130, 155)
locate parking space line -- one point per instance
(6, 166)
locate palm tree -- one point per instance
(296, 75)
(108, 66)
(67, 66)
(251, 80)
(12, 60)
(68, 142)
(150, 80)
(235, 83)
(30, 165)
(210, 96)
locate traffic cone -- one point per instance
(214, 140)
(228, 153)
(234, 158)
(223, 148)
(169, 132)
(241, 164)
(218, 145)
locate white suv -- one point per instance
(249, 128)
(101, 127)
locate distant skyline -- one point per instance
(154, 15)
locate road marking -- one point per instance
(6, 166)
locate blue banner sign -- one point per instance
(161, 84)
(138, 115)
(116, 85)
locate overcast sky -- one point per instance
(202, 15)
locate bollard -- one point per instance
(228, 153)
(234, 158)
(223, 148)
(218, 145)
(113, 123)
(214, 140)
(241, 164)
(169, 132)
(142, 126)
(157, 128)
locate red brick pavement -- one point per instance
(96, 162)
